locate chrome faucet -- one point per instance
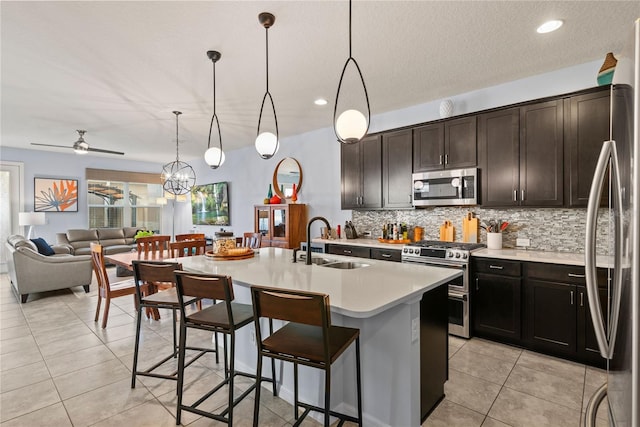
(308, 260)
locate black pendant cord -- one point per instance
(214, 59)
(177, 113)
(264, 98)
(364, 86)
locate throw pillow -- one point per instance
(43, 246)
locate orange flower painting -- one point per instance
(55, 195)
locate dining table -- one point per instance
(125, 260)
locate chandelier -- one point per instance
(178, 177)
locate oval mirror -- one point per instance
(287, 173)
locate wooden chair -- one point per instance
(154, 245)
(107, 290)
(150, 273)
(252, 240)
(224, 317)
(187, 248)
(307, 339)
(190, 236)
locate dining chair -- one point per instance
(107, 290)
(187, 248)
(190, 236)
(226, 317)
(252, 240)
(153, 245)
(150, 273)
(307, 339)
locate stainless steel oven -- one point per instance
(445, 188)
(449, 255)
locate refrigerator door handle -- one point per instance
(606, 342)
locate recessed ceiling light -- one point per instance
(320, 101)
(549, 26)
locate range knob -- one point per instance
(405, 250)
(457, 254)
(450, 255)
(464, 255)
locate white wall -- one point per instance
(318, 152)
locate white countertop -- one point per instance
(361, 292)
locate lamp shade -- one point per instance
(267, 144)
(214, 157)
(31, 218)
(351, 126)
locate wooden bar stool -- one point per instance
(308, 339)
(151, 274)
(224, 317)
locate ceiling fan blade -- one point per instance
(99, 150)
(51, 145)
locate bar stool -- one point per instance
(308, 339)
(225, 317)
(151, 274)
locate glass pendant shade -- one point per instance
(351, 126)
(214, 157)
(178, 177)
(266, 145)
(267, 142)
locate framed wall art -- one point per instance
(55, 195)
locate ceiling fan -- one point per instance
(81, 146)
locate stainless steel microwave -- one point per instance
(446, 188)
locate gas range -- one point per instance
(436, 251)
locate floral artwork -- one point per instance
(55, 195)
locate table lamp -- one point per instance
(31, 219)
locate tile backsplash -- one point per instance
(549, 229)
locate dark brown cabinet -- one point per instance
(356, 251)
(496, 299)
(586, 128)
(445, 145)
(361, 172)
(397, 157)
(520, 153)
(386, 254)
(282, 225)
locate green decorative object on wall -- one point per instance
(605, 75)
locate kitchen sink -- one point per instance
(345, 265)
(321, 261)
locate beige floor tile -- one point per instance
(546, 386)
(59, 365)
(115, 333)
(19, 358)
(150, 413)
(471, 392)
(243, 417)
(65, 332)
(10, 314)
(113, 321)
(481, 366)
(149, 342)
(595, 377)
(54, 415)
(13, 322)
(520, 409)
(551, 365)
(490, 422)
(68, 345)
(21, 344)
(105, 402)
(91, 378)
(494, 349)
(455, 344)
(25, 375)
(448, 414)
(14, 332)
(27, 399)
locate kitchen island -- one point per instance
(382, 299)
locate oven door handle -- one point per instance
(459, 297)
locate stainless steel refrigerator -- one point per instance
(618, 171)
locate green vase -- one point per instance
(270, 193)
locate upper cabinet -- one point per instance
(586, 128)
(396, 169)
(445, 145)
(282, 225)
(361, 171)
(520, 153)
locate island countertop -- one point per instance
(359, 293)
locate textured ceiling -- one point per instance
(118, 69)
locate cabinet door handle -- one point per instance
(579, 276)
(446, 159)
(477, 285)
(522, 195)
(385, 255)
(515, 195)
(346, 251)
(496, 267)
(581, 299)
(440, 161)
(571, 297)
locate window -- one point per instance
(122, 203)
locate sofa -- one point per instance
(30, 271)
(113, 240)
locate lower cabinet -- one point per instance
(539, 306)
(496, 299)
(357, 251)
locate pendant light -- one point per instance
(351, 125)
(214, 156)
(178, 177)
(266, 142)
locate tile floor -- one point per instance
(58, 368)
